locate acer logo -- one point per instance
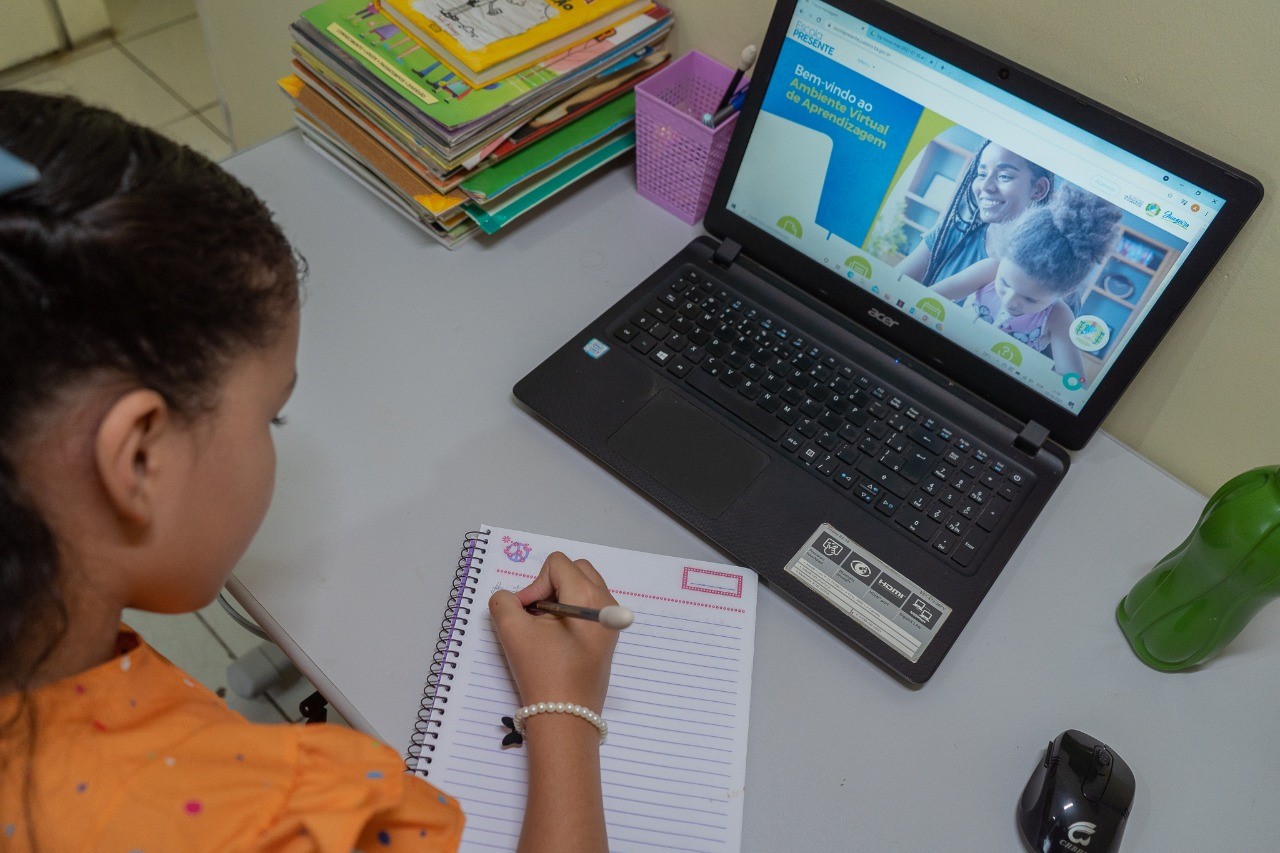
(877, 314)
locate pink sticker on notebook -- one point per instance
(716, 583)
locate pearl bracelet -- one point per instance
(560, 708)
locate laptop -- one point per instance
(929, 273)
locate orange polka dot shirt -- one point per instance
(134, 755)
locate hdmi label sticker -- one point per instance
(872, 593)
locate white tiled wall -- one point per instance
(153, 69)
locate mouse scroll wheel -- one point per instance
(1095, 783)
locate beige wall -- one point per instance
(1208, 404)
(248, 42)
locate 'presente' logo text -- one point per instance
(812, 38)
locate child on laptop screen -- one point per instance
(149, 321)
(1026, 288)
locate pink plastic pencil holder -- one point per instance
(677, 156)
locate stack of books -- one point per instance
(464, 115)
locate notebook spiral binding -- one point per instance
(452, 628)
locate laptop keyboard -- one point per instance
(870, 442)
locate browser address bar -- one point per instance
(900, 46)
(900, 58)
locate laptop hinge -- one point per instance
(726, 254)
(1031, 439)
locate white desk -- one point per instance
(403, 434)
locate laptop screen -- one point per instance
(1031, 243)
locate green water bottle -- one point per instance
(1199, 597)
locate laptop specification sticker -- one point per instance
(880, 599)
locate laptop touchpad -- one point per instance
(689, 452)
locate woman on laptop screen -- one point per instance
(1001, 185)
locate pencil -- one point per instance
(735, 104)
(747, 60)
(613, 616)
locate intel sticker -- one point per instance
(595, 348)
(880, 599)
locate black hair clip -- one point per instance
(513, 738)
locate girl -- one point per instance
(149, 316)
(1000, 186)
(1027, 291)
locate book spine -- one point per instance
(453, 628)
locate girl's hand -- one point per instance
(554, 658)
(560, 659)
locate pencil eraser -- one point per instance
(616, 617)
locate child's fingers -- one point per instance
(560, 580)
(504, 607)
(577, 582)
(541, 587)
(590, 573)
(603, 597)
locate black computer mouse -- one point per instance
(1078, 798)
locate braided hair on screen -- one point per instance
(962, 212)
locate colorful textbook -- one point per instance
(546, 151)
(674, 764)
(496, 195)
(454, 159)
(487, 40)
(360, 51)
(500, 211)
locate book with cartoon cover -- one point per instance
(412, 85)
(484, 41)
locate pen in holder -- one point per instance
(677, 156)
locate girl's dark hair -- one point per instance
(131, 259)
(962, 213)
(1058, 244)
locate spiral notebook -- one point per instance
(674, 764)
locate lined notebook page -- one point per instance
(674, 765)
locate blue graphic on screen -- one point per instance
(867, 143)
